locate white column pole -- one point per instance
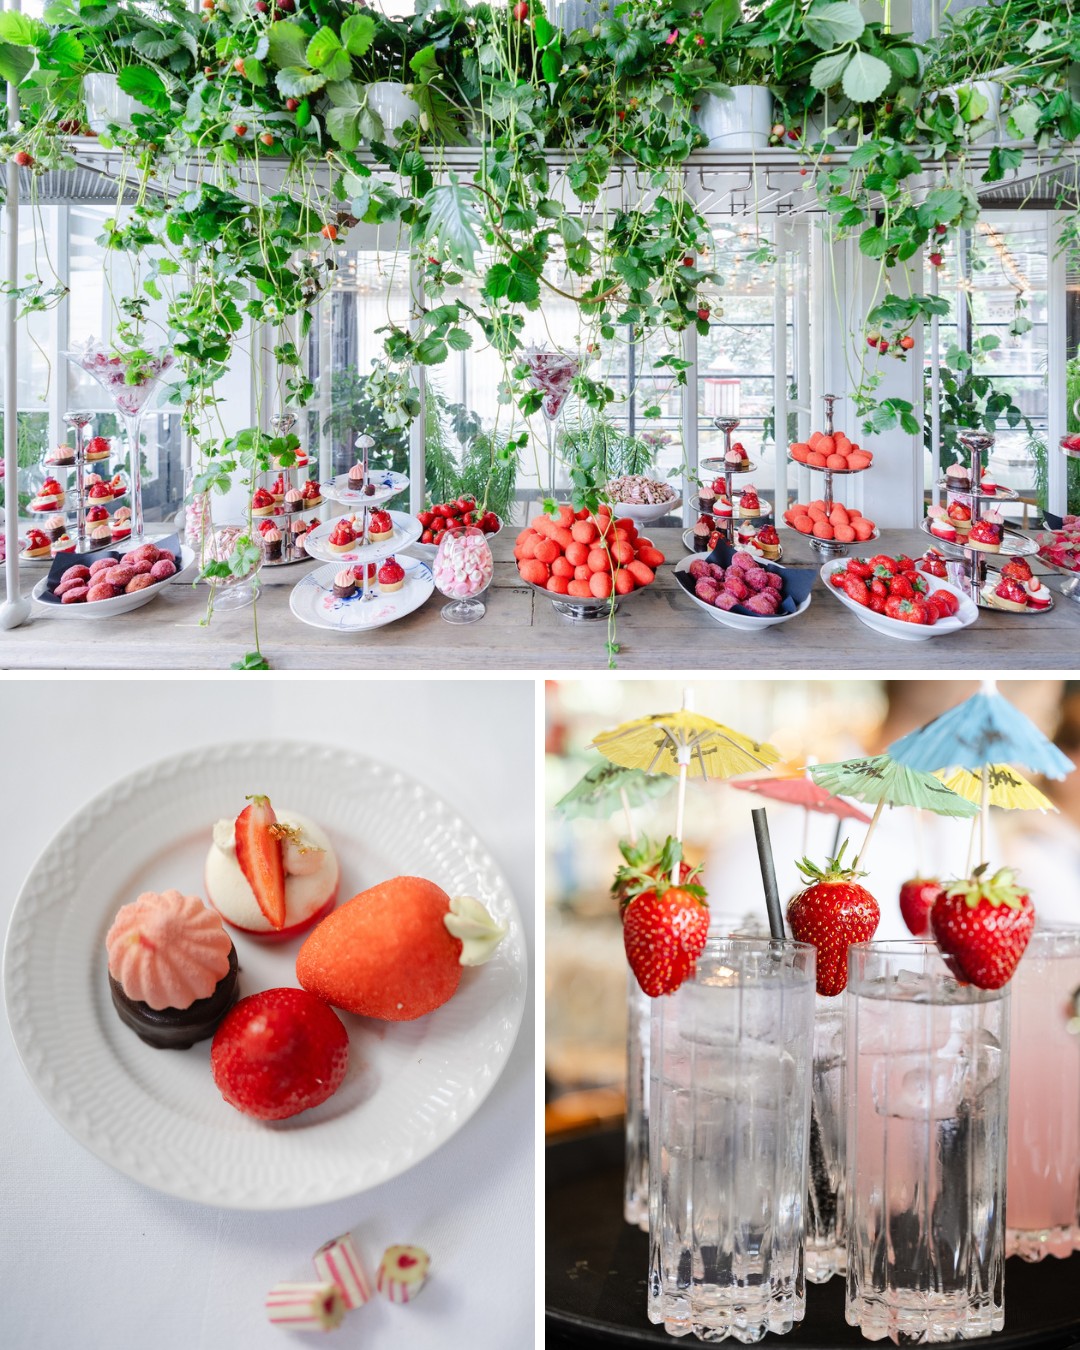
(780, 365)
(1057, 483)
(15, 610)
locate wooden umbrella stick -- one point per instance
(679, 811)
(870, 832)
(984, 812)
(630, 832)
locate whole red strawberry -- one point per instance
(643, 862)
(278, 1053)
(984, 924)
(917, 897)
(831, 913)
(664, 925)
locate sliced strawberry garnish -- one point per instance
(259, 853)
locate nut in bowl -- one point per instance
(741, 592)
(640, 498)
(893, 597)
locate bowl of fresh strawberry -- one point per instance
(892, 596)
(436, 520)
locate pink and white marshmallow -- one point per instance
(338, 1262)
(463, 566)
(305, 1307)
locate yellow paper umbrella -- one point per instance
(1009, 790)
(687, 744)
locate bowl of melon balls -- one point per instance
(584, 562)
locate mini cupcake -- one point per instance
(97, 449)
(172, 969)
(958, 478)
(262, 503)
(345, 583)
(293, 502)
(271, 544)
(101, 536)
(311, 493)
(55, 527)
(298, 529)
(356, 478)
(380, 527)
(391, 576)
(342, 537)
(701, 532)
(62, 455)
(706, 497)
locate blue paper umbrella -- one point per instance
(985, 729)
(982, 731)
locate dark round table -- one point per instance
(596, 1265)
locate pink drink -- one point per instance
(1044, 1101)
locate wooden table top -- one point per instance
(658, 629)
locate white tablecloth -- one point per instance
(89, 1258)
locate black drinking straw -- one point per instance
(768, 873)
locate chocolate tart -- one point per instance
(178, 1028)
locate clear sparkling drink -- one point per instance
(928, 1082)
(728, 1136)
(826, 1226)
(1042, 1213)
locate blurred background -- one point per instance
(806, 721)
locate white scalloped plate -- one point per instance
(156, 1114)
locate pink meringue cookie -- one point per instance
(167, 950)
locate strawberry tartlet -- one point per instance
(749, 502)
(736, 457)
(278, 488)
(380, 527)
(97, 448)
(262, 503)
(391, 576)
(172, 969)
(960, 515)
(342, 537)
(987, 533)
(99, 494)
(271, 872)
(311, 494)
(37, 544)
(768, 541)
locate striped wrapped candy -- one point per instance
(402, 1273)
(305, 1307)
(338, 1262)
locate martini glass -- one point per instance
(130, 386)
(552, 373)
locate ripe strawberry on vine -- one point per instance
(664, 924)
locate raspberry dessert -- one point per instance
(1018, 568)
(97, 449)
(722, 507)
(987, 484)
(279, 1053)
(262, 504)
(49, 497)
(121, 527)
(271, 872)
(768, 541)
(96, 514)
(986, 533)
(172, 969)
(391, 576)
(342, 537)
(380, 527)
(37, 544)
(65, 544)
(396, 951)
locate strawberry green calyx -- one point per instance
(649, 867)
(834, 870)
(1000, 888)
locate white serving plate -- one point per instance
(388, 485)
(749, 623)
(643, 513)
(120, 604)
(313, 600)
(897, 628)
(428, 551)
(156, 1115)
(407, 530)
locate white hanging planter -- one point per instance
(991, 90)
(740, 120)
(392, 105)
(107, 104)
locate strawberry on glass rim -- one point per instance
(983, 924)
(664, 925)
(831, 913)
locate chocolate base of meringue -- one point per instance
(178, 1028)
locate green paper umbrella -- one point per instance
(608, 786)
(883, 781)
